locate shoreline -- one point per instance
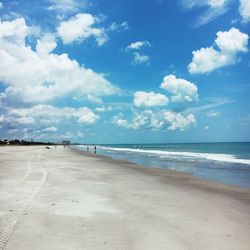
(230, 167)
(64, 198)
(189, 178)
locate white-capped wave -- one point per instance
(173, 155)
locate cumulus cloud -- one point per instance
(120, 121)
(7, 121)
(103, 109)
(39, 132)
(42, 115)
(46, 44)
(230, 43)
(140, 58)
(43, 134)
(244, 10)
(180, 90)
(88, 117)
(156, 120)
(79, 28)
(39, 76)
(149, 99)
(138, 45)
(144, 119)
(23, 120)
(178, 121)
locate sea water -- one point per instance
(227, 163)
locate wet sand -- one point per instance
(60, 198)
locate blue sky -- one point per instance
(125, 71)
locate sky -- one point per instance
(96, 71)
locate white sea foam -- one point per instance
(173, 155)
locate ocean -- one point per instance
(228, 163)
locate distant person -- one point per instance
(95, 149)
(87, 149)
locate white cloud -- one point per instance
(24, 120)
(40, 133)
(149, 99)
(103, 109)
(214, 102)
(65, 6)
(153, 120)
(140, 120)
(245, 10)
(211, 9)
(14, 31)
(138, 45)
(140, 58)
(40, 115)
(145, 119)
(67, 136)
(100, 109)
(80, 27)
(10, 120)
(12, 131)
(2, 119)
(50, 129)
(178, 121)
(210, 3)
(232, 41)
(80, 134)
(180, 89)
(109, 108)
(118, 27)
(213, 114)
(94, 99)
(46, 44)
(119, 121)
(208, 59)
(230, 44)
(50, 135)
(88, 117)
(39, 76)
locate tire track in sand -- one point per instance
(11, 219)
(27, 174)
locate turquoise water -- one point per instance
(227, 163)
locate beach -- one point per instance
(61, 198)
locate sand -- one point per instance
(59, 198)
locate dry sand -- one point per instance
(63, 199)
